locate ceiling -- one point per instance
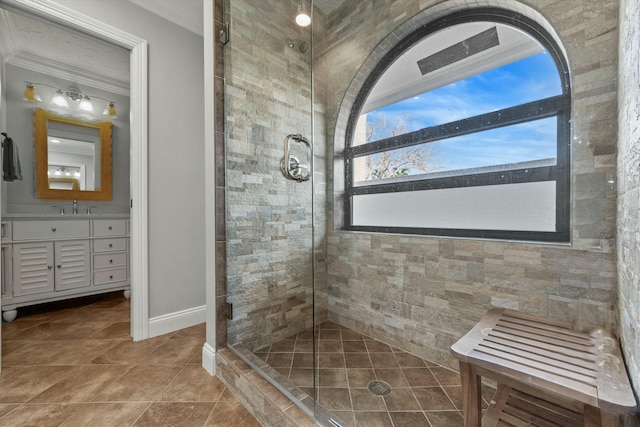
(188, 13)
(51, 49)
(60, 52)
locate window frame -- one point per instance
(558, 106)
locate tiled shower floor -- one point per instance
(422, 393)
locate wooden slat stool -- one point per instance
(547, 374)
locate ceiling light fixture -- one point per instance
(303, 18)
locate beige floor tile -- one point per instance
(410, 419)
(446, 376)
(5, 408)
(81, 352)
(414, 381)
(231, 414)
(38, 415)
(83, 385)
(197, 332)
(228, 396)
(88, 353)
(116, 330)
(174, 352)
(401, 399)
(364, 400)
(173, 414)
(193, 384)
(433, 399)
(373, 419)
(106, 414)
(30, 381)
(129, 352)
(445, 418)
(20, 353)
(16, 330)
(140, 383)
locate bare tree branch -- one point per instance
(400, 162)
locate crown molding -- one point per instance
(67, 72)
(8, 44)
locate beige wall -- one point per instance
(629, 186)
(422, 294)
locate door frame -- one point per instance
(139, 251)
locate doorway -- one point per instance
(138, 141)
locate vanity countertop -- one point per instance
(33, 216)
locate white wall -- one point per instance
(176, 151)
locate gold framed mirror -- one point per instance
(72, 158)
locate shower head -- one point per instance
(301, 45)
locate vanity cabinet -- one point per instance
(51, 266)
(7, 272)
(50, 260)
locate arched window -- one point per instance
(463, 129)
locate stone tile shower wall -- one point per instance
(629, 187)
(422, 294)
(269, 219)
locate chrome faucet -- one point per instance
(75, 207)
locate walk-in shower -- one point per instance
(373, 217)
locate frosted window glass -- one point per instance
(511, 207)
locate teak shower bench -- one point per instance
(547, 373)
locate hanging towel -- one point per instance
(11, 169)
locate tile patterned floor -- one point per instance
(76, 366)
(422, 393)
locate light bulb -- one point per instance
(59, 99)
(110, 110)
(302, 18)
(58, 172)
(86, 105)
(31, 94)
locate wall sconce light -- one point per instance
(31, 93)
(110, 110)
(61, 99)
(303, 18)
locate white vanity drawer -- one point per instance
(44, 230)
(109, 245)
(109, 227)
(110, 260)
(109, 276)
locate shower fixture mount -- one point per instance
(300, 44)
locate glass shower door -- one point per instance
(270, 183)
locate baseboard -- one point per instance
(209, 359)
(172, 322)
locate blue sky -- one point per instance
(523, 81)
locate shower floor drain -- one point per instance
(379, 388)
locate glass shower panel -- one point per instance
(270, 181)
